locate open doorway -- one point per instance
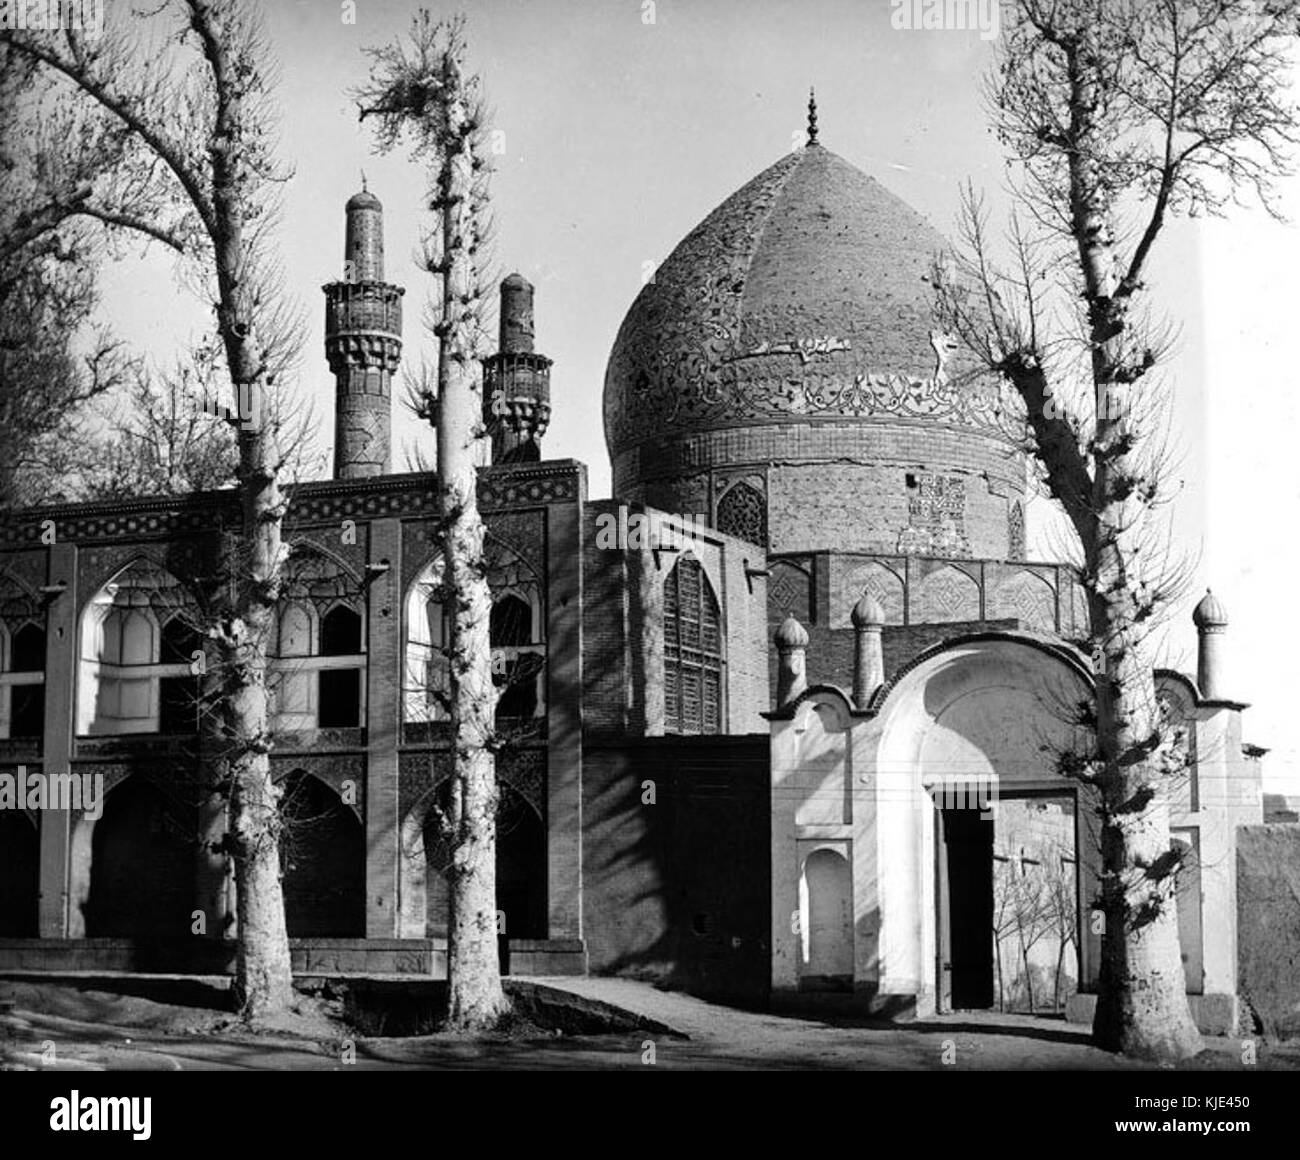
(965, 896)
(1007, 889)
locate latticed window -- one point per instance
(692, 651)
(743, 513)
(1016, 532)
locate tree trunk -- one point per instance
(476, 997)
(263, 981)
(1142, 1007)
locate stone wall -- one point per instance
(1268, 925)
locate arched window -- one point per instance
(319, 666)
(692, 651)
(742, 512)
(1016, 532)
(340, 689)
(516, 628)
(293, 685)
(511, 623)
(137, 639)
(178, 696)
(22, 681)
(516, 663)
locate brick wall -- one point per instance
(623, 626)
(829, 657)
(856, 486)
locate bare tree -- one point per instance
(421, 88)
(48, 283)
(1117, 114)
(166, 437)
(186, 89)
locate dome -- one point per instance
(807, 276)
(791, 634)
(1210, 612)
(363, 200)
(868, 612)
(784, 373)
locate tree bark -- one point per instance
(263, 983)
(1142, 1007)
(476, 998)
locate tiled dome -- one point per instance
(364, 200)
(810, 275)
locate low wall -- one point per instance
(1268, 925)
(310, 956)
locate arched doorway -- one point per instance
(520, 866)
(982, 886)
(323, 860)
(826, 902)
(19, 874)
(142, 867)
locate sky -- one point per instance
(623, 123)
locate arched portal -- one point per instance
(986, 853)
(142, 866)
(521, 868)
(322, 853)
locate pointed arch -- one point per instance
(1026, 596)
(323, 861)
(742, 512)
(142, 865)
(790, 591)
(122, 673)
(521, 865)
(693, 651)
(517, 630)
(22, 678)
(947, 594)
(320, 647)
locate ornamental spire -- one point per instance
(812, 116)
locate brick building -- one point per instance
(793, 444)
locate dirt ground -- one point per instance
(181, 1025)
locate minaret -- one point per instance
(516, 381)
(363, 342)
(1211, 620)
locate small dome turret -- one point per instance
(364, 200)
(868, 612)
(791, 634)
(1210, 612)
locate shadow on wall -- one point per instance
(19, 874)
(142, 859)
(677, 864)
(322, 856)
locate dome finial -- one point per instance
(812, 116)
(364, 187)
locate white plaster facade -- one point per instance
(972, 721)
